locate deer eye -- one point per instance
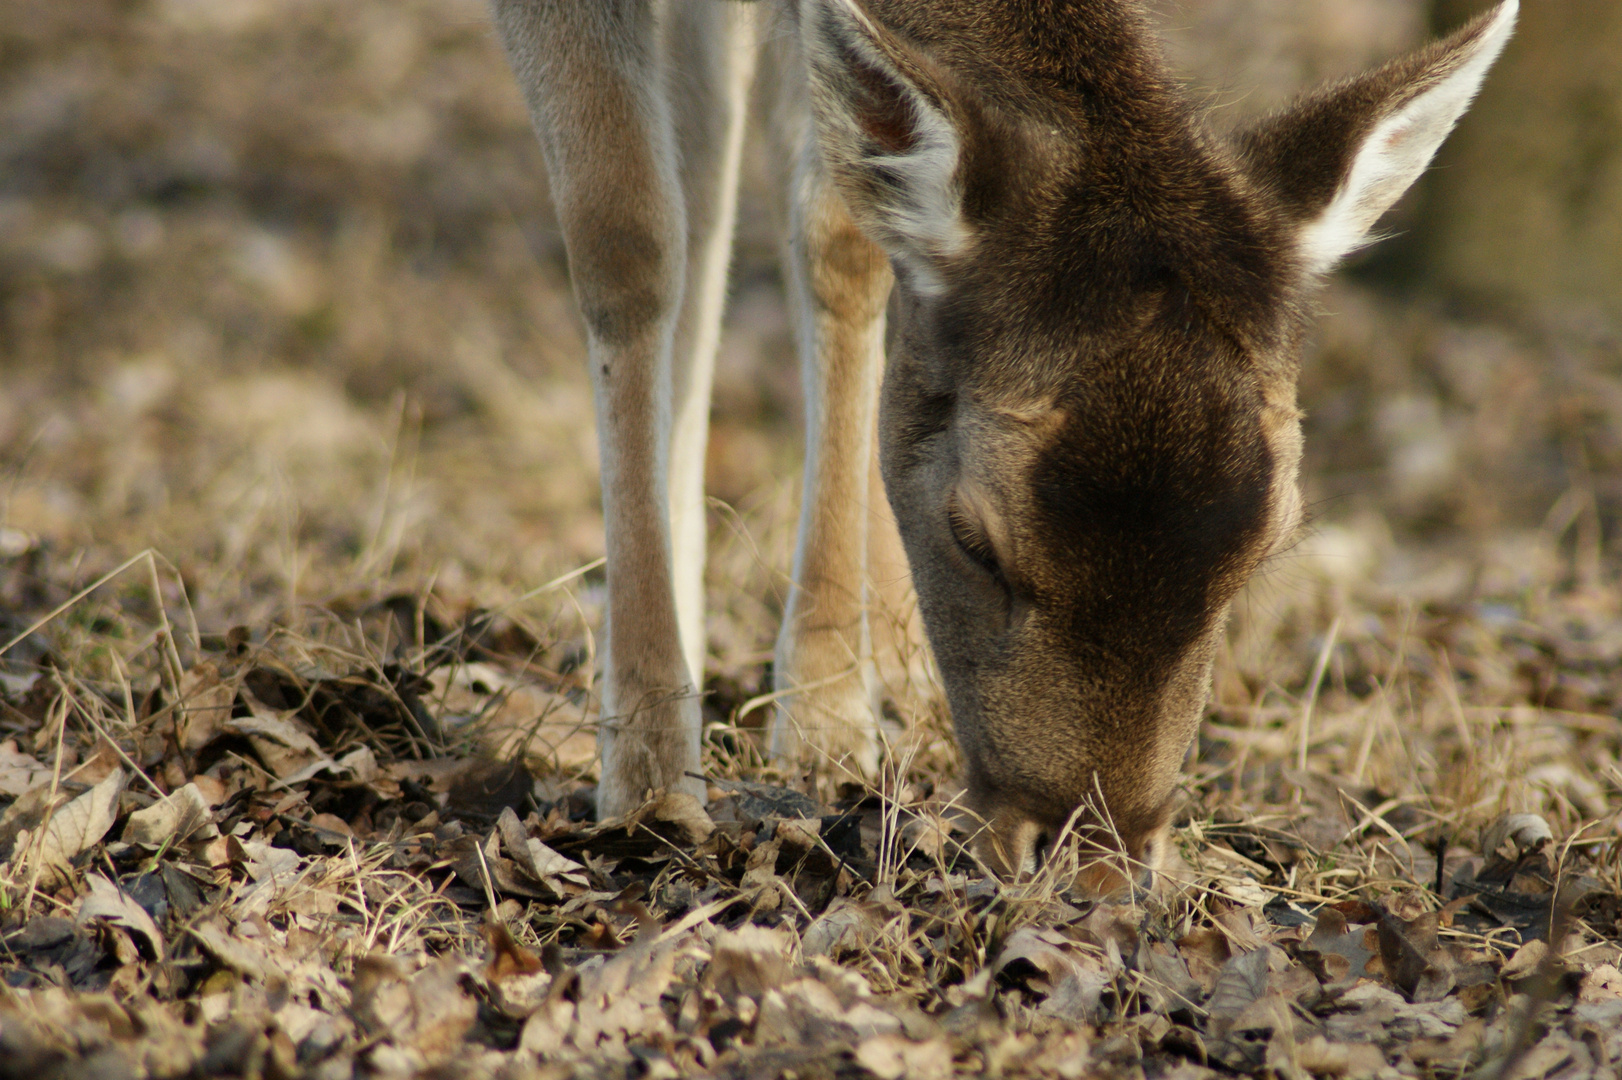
(971, 540)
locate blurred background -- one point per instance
(282, 297)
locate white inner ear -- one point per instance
(914, 206)
(1398, 150)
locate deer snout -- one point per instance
(1097, 862)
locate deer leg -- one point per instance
(900, 657)
(839, 283)
(592, 74)
(712, 61)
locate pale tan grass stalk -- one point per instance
(1314, 681)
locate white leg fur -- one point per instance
(710, 88)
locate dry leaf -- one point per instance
(108, 902)
(172, 819)
(540, 862)
(891, 1057)
(1334, 953)
(620, 1000)
(1603, 983)
(760, 873)
(747, 962)
(20, 773)
(1050, 953)
(361, 764)
(281, 742)
(1078, 998)
(1243, 980)
(517, 720)
(1525, 832)
(80, 824)
(25, 814)
(927, 834)
(507, 956)
(244, 957)
(1205, 951)
(753, 802)
(1525, 960)
(847, 925)
(205, 706)
(807, 1012)
(427, 1013)
(687, 814)
(1412, 960)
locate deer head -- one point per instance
(1089, 430)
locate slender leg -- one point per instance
(899, 656)
(839, 282)
(592, 73)
(711, 46)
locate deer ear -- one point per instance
(1339, 158)
(888, 134)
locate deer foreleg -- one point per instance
(592, 74)
(839, 281)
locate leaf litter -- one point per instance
(287, 861)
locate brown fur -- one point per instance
(1087, 427)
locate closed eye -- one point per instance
(972, 541)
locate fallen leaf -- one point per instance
(266, 862)
(243, 957)
(847, 925)
(534, 858)
(620, 1000)
(927, 834)
(26, 813)
(20, 773)
(1205, 951)
(285, 747)
(1522, 832)
(1049, 953)
(686, 814)
(1242, 981)
(891, 1057)
(427, 1013)
(361, 764)
(755, 802)
(507, 957)
(1079, 995)
(108, 902)
(172, 819)
(80, 824)
(205, 703)
(1603, 983)
(760, 873)
(1165, 978)
(747, 962)
(807, 1012)
(1334, 952)
(1411, 958)
(1525, 960)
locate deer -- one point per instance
(1065, 313)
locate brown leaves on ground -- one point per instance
(288, 867)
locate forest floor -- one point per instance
(358, 839)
